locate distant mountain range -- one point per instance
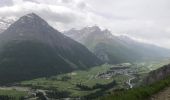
(116, 49)
(31, 48)
(5, 22)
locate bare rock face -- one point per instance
(158, 74)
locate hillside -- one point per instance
(162, 95)
(115, 49)
(31, 48)
(155, 87)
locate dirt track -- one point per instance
(162, 95)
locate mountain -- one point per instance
(31, 48)
(5, 22)
(115, 49)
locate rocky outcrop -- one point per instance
(158, 74)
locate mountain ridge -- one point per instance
(114, 49)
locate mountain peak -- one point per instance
(29, 23)
(93, 28)
(31, 14)
(30, 26)
(106, 31)
(96, 27)
(32, 18)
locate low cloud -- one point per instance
(144, 19)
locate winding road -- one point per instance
(129, 81)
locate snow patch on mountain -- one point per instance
(5, 22)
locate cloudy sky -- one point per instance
(144, 20)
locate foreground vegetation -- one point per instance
(140, 93)
(12, 95)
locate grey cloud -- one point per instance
(67, 1)
(32, 1)
(6, 3)
(145, 19)
(64, 18)
(81, 5)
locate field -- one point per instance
(10, 93)
(61, 84)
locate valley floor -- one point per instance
(82, 83)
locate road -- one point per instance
(44, 93)
(129, 81)
(90, 78)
